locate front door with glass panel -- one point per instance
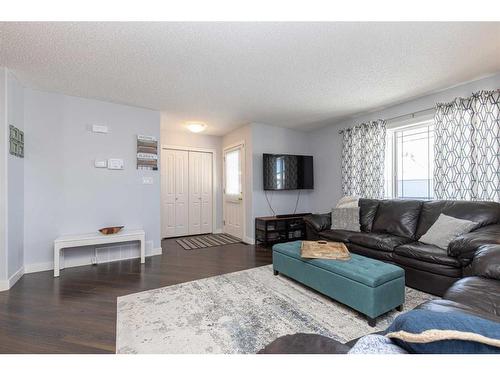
(233, 191)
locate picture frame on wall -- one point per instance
(147, 153)
(16, 141)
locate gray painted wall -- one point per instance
(274, 140)
(186, 139)
(259, 139)
(65, 194)
(15, 181)
(3, 178)
(326, 144)
(11, 182)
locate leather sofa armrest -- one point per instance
(486, 262)
(466, 245)
(319, 222)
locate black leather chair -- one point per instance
(390, 230)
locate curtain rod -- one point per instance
(410, 115)
(392, 119)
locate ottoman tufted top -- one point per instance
(370, 272)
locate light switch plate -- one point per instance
(115, 163)
(100, 163)
(99, 129)
(146, 180)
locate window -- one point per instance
(409, 161)
(233, 172)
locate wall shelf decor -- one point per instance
(16, 141)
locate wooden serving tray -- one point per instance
(324, 250)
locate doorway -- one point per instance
(187, 197)
(233, 191)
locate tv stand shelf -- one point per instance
(270, 230)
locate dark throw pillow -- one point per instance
(431, 332)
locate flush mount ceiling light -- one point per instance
(196, 127)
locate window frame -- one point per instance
(414, 122)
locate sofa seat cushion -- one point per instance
(369, 272)
(378, 241)
(386, 256)
(410, 264)
(397, 217)
(337, 235)
(427, 253)
(480, 293)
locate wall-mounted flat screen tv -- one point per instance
(288, 172)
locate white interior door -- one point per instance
(181, 193)
(174, 178)
(233, 191)
(206, 192)
(195, 188)
(168, 193)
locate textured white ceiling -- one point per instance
(298, 75)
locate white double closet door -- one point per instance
(186, 192)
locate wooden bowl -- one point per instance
(111, 230)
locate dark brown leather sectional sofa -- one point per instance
(477, 295)
(390, 230)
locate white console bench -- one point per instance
(66, 242)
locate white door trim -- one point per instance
(214, 176)
(243, 184)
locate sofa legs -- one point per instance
(372, 322)
(399, 308)
(275, 273)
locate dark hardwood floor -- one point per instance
(76, 313)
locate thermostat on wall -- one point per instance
(115, 163)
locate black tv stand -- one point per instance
(270, 230)
(284, 216)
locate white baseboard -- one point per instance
(7, 284)
(157, 251)
(248, 240)
(48, 266)
(38, 267)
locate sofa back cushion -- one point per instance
(398, 217)
(483, 213)
(367, 211)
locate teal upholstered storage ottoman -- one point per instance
(367, 285)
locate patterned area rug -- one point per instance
(239, 312)
(208, 240)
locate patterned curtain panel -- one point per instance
(363, 153)
(467, 148)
